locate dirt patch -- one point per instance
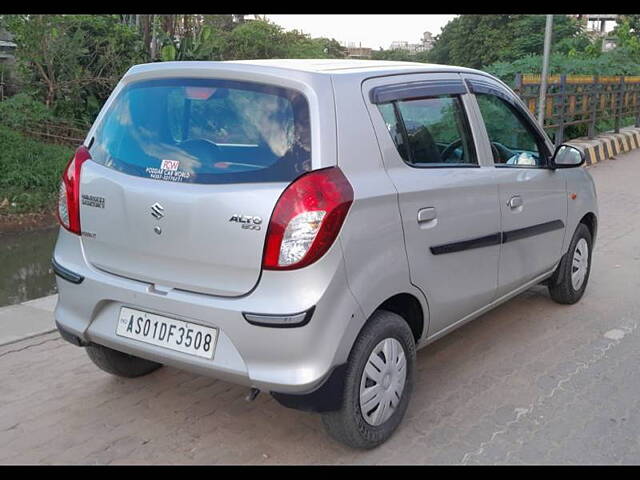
(25, 222)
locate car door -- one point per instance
(533, 197)
(448, 197)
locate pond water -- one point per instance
(25, 265)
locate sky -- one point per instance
(372, 31)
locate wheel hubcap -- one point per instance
(580, 264)
(383, 381)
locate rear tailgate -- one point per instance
(203, 243)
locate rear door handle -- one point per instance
(515, 201)
(426, 214)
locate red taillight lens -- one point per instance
(307, 219)
(69, 194)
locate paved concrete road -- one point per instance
(530, 382)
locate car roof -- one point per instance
(309, 66)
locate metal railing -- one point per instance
(598, 102)
(59, 131)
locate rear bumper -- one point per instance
(284, 360)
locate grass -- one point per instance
(29, 172)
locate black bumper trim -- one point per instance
(326, 398)
(65, 273)
(70, 337)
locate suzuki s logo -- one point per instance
(157, 211)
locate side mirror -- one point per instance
(567, 156)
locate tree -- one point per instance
(478, 40)
(395, 54)
(330, 47)
(255, 40)
(627, 32)
(72, 62)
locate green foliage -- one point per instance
(628, 34)
(206, 43)
(256, 39)
(22, 110)
(262, 39)
(395, 55)
(30, 172)
(478, 40)
(72, 62)
(331, 47)
(616, 62)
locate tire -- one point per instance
(119, 363)
(562, 285)
(349, 425)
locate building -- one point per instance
(428, 41)
(425, 44)
(609, 43)
(7, 47)
(358, 52)
(7, 61)
(598, 24)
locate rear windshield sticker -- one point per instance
(168, 171)
(170, 165)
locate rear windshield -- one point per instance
(206, 131)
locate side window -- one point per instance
(431, 131)
(512, 141)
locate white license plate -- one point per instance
(167, 332)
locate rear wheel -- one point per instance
(378, 383)
(120, 363)
(568, 283)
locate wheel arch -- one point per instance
(407, 306)
(591, 221)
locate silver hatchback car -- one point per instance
(302, 227)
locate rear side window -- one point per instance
(431, 131)
(206, 131)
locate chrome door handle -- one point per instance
(426, 214)
(515, 201)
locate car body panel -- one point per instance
(466, 204)
(380, 251)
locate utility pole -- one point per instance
(154, 39)
(545, 68)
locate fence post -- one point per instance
(593, 106)
(636, 104)
(561, 95)
(517, 87)
(618, 113)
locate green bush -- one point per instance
(615, 62)
(30, 172)
(22, 111)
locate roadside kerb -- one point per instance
(608, 144)
(28, 319)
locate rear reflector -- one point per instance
(279, 321)
(307, 219)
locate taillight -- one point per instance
(307, 219)
(69, 194)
